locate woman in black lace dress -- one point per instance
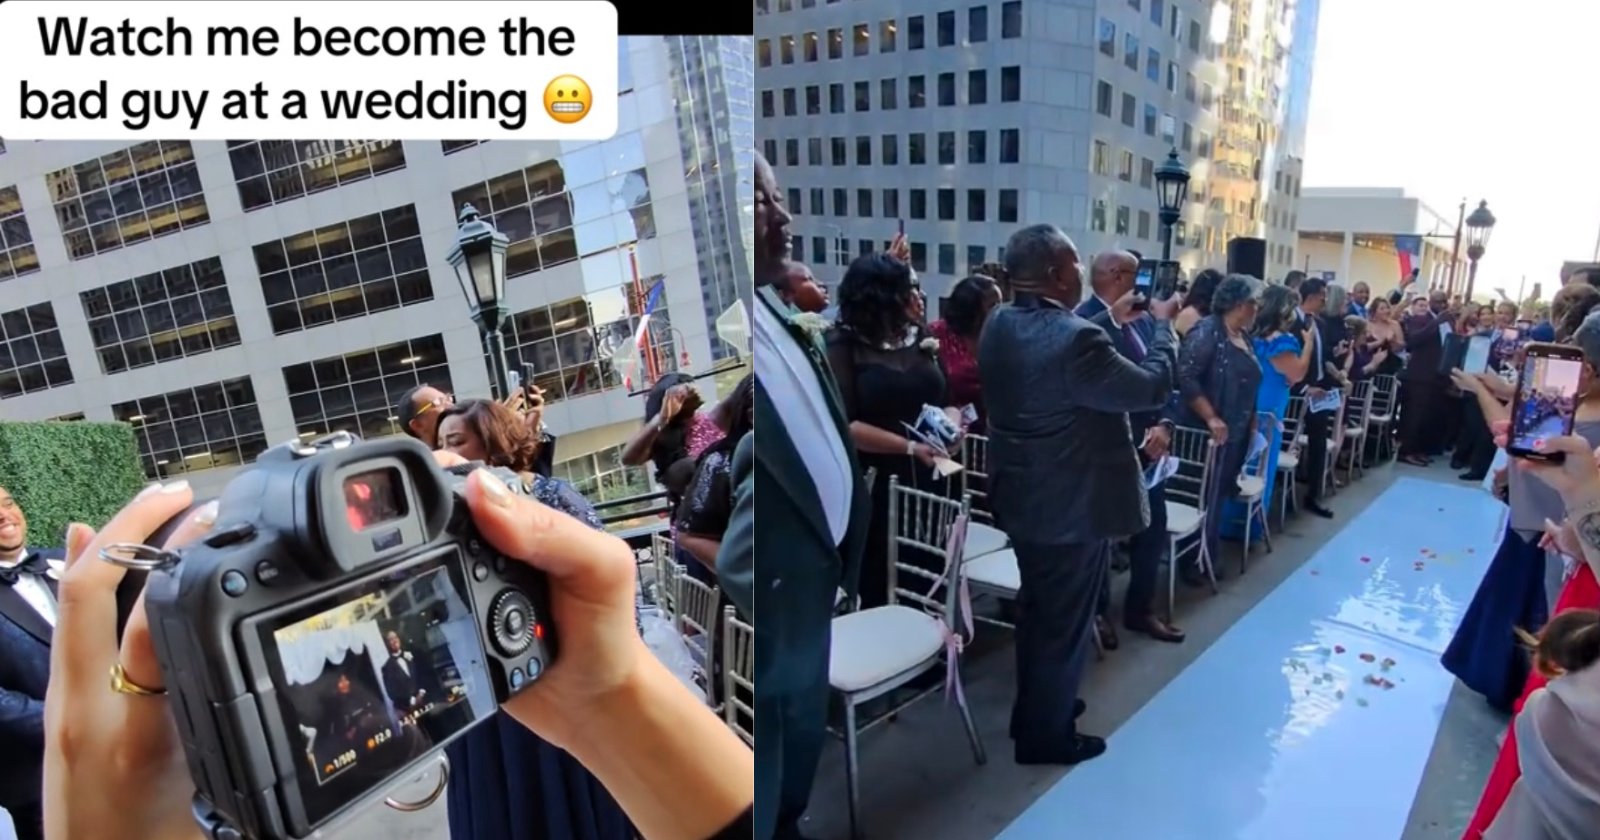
(887, 368)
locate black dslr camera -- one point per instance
(338, 626)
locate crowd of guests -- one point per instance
(520, 775)
(1079, 386)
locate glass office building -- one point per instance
(226, 296)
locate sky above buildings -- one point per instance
(1474, 99)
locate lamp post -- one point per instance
(479, 259)
(1172, 187)
(1479, 226)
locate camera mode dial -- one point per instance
(511, 622)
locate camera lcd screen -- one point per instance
(373, 497)
(372, 677)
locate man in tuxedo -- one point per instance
(1112, 278)
(1423, 391)
(404, 677)
(27, 619)
(813, 510)
(1065, 476)
(1315, 385)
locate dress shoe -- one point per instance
(1156, 629)
(1471, 476)
(1107, 633)
(1078, 708)
(1457, 465)
(1318, 509)
(1082, 748)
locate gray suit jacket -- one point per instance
(1062, 458)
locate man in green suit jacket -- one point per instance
(813, 514)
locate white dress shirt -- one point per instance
(786, 374)
(35, 592)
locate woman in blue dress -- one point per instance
(506, 782)
(1284, 359)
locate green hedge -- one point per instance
(62, 473)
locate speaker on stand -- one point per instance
(1248, 255)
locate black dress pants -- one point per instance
(1474, 445)
(1318, 426)
(1146, 550)
(1421, 405)
(1056, 608)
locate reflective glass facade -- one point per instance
(181, 311)
(16, 240)
(212, 425)
(32, 355)
(269, 172)
(128, 196)
(356, 392)
(344, 271)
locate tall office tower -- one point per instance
(225, 296)
(966, 121)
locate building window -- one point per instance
(1207, 95)
(978, 146)
(947, 29)
(1008, 206)
(268, 172)
(839, 201)
(1152, 65)
(977, 24)
(182, 311)
(1010, 145)
(1144, 224)
(1108, 38)
(864, 203)
(891, 204)
(1122, 220)
(1011, 19)
(32, 355)
(977, 208)
(916, 147)
(453, 146)
(769, 106)
(886, 95)
(814, 195)
(947, 258)
(1172, 77)
(1130, 107)
(1156, 15)
(919, 256)
(211, 425)
(975, 256)
(345, 270)
(947, 148)
(128, 196)
(947, 205)
(977, 87)
(17, 256)
(863, 91)
(835, 43)
(1010, 84)
(863, 151)
(1169, 129)
(602, 477)
(356, 392)
(861, 38)
(919, 203)
(1186, 140)
(836, 98)
(836, 149)
(1130, 51)
(1194, 35)
(786, 49)
(886, 33)
(813, 100)
(1202, 147)
(914, 32)
(789, 108)
(1147, 172)
(1101, 159)
(813, 151)
(1125, 169)
(1097, 217)
(947, 89)
(791, 152)
(810, 47)
(570, 343)
(769, 150)
(1102, 98)
(593, 200)
(1189, 86)
(1150, 120)
(889, 149)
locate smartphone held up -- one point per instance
(1546, 400)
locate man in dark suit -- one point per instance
(1111, 278)
(406, 677)
(813, 510)
(1423, 391)
(27, 620)
(1065, 477)
(1318, 424)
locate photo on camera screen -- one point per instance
(372, 677)
(1546, 400)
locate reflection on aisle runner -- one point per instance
(1313, 716)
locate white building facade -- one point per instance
(1349, 232)
(226, 296)
(967, 121)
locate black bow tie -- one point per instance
(33, 564)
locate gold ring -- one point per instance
(122, 685)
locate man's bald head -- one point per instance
(1112, 274)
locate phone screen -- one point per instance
(1547, 399)
(1144, 281)
(1510, 333)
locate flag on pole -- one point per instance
(1409, 248)
(627, 358)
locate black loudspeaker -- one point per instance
(1248, 255)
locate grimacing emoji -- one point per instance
(567, 99)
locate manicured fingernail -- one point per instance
(147, 491)
(175, 487)
(207, 514)
(494, 489)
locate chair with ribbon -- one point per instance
(1385, 397)
(697, 621)
(982, 536)
(1356, 422)
(1289, 457)
(738, 675)
(1189, 497)
(926, 624)
(1253, 489)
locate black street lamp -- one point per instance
(1479, 225)
(1172, 187)
(479, 259)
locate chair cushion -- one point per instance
(1288, 461)
(872, 646)
(1251, 486)
(1182, 519)
(984, 539)
(1355, 431)
(1378, 419)
(997, 570)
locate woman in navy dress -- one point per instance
(506, 783)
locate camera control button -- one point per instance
(511, 622)
(230, 535)
(480, 572)
(517, 679)
(234, 583)
(266, 573)
(534, 667)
